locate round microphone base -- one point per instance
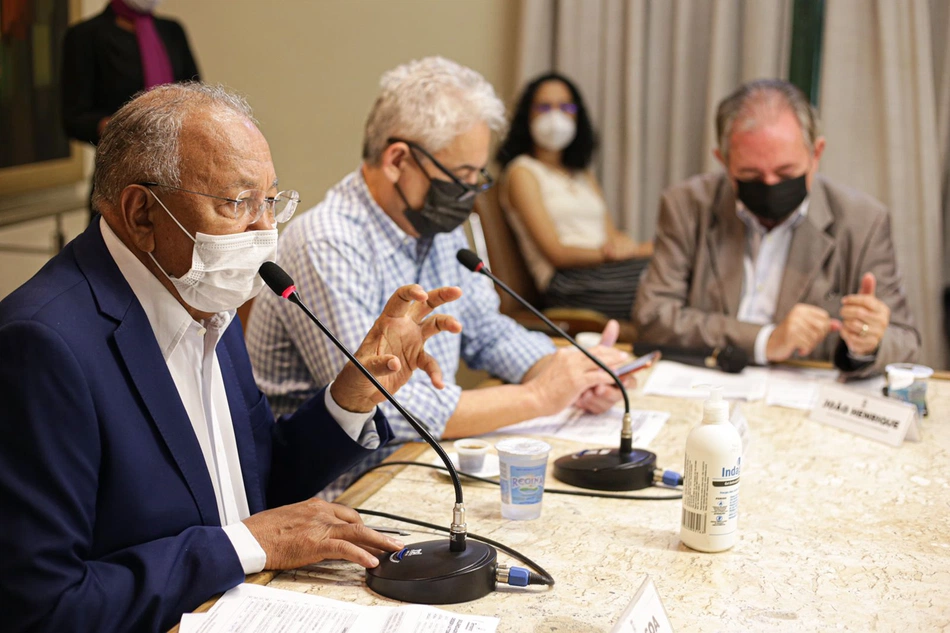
(429, 573)
(607, 469)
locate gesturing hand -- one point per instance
(395, 346)
(313, 530)
(800, 331)
(864, 319)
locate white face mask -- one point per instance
(553, 130)
(142, 6)
(223, 274)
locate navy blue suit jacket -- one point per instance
(108, 520)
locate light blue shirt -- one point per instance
(347, 258)
(763, 266)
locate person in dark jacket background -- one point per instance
(109, 58)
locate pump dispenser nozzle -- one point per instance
(715, 409)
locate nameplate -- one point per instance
(883, 419)
(645, 613)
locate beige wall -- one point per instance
(310, 69)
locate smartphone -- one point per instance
(637, 364)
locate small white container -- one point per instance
(523, 463)
(908, 382)
(471, 454)
(710, 517)
(588, 339)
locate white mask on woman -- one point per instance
(553, 130)
(223, 274)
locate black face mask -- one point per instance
(772, 202)
(441, 211)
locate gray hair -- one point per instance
(141, 141)
(764, 98)
(430, 101)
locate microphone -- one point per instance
(431, 572)
(728, 358)
(625, 468)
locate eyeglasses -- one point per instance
(566, 108)
(253, 202)
(485, 181)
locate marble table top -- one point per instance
(836, 533)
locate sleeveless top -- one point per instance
(577, 211)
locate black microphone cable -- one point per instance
(428, 572)
(471, 261)
(282, 284)
(675, 480)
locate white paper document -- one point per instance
(797, 388)
(683, 381)
(191, 622)
(602, 428)
(256, 609)
(792, 393)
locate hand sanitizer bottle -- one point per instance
(711, 480)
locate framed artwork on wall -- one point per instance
(35, 152)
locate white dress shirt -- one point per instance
(763, 266)
(188, 348)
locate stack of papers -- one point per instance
(595, 429)
(796, 388)
(792, 387)
(256, 609)
(685, 381)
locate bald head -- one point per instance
(142, 141)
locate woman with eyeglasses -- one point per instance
(575, 254)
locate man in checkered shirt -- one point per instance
(397, 220)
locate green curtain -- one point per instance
(804, 66)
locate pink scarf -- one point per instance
(156, 67)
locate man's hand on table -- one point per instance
(314, 530)
(570, 378)
(602, 397)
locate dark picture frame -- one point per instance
(35, 152)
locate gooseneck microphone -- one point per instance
(728, 358)
(431, 572)
(625, 468)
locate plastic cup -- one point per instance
(471, 454)
(908, 382)
(523, 463)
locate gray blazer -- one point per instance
(690, 294)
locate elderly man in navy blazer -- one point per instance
(141, 469)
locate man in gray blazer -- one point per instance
(771, 257)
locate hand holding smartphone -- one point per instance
(637, 364)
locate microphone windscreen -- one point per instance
(732, 359)
(468, 259)
(276, 278)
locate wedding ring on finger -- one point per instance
(864, 329)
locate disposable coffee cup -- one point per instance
(588, 339)
(523, 463)
(471, 454)
(908, 382)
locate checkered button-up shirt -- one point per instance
(347, 258)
